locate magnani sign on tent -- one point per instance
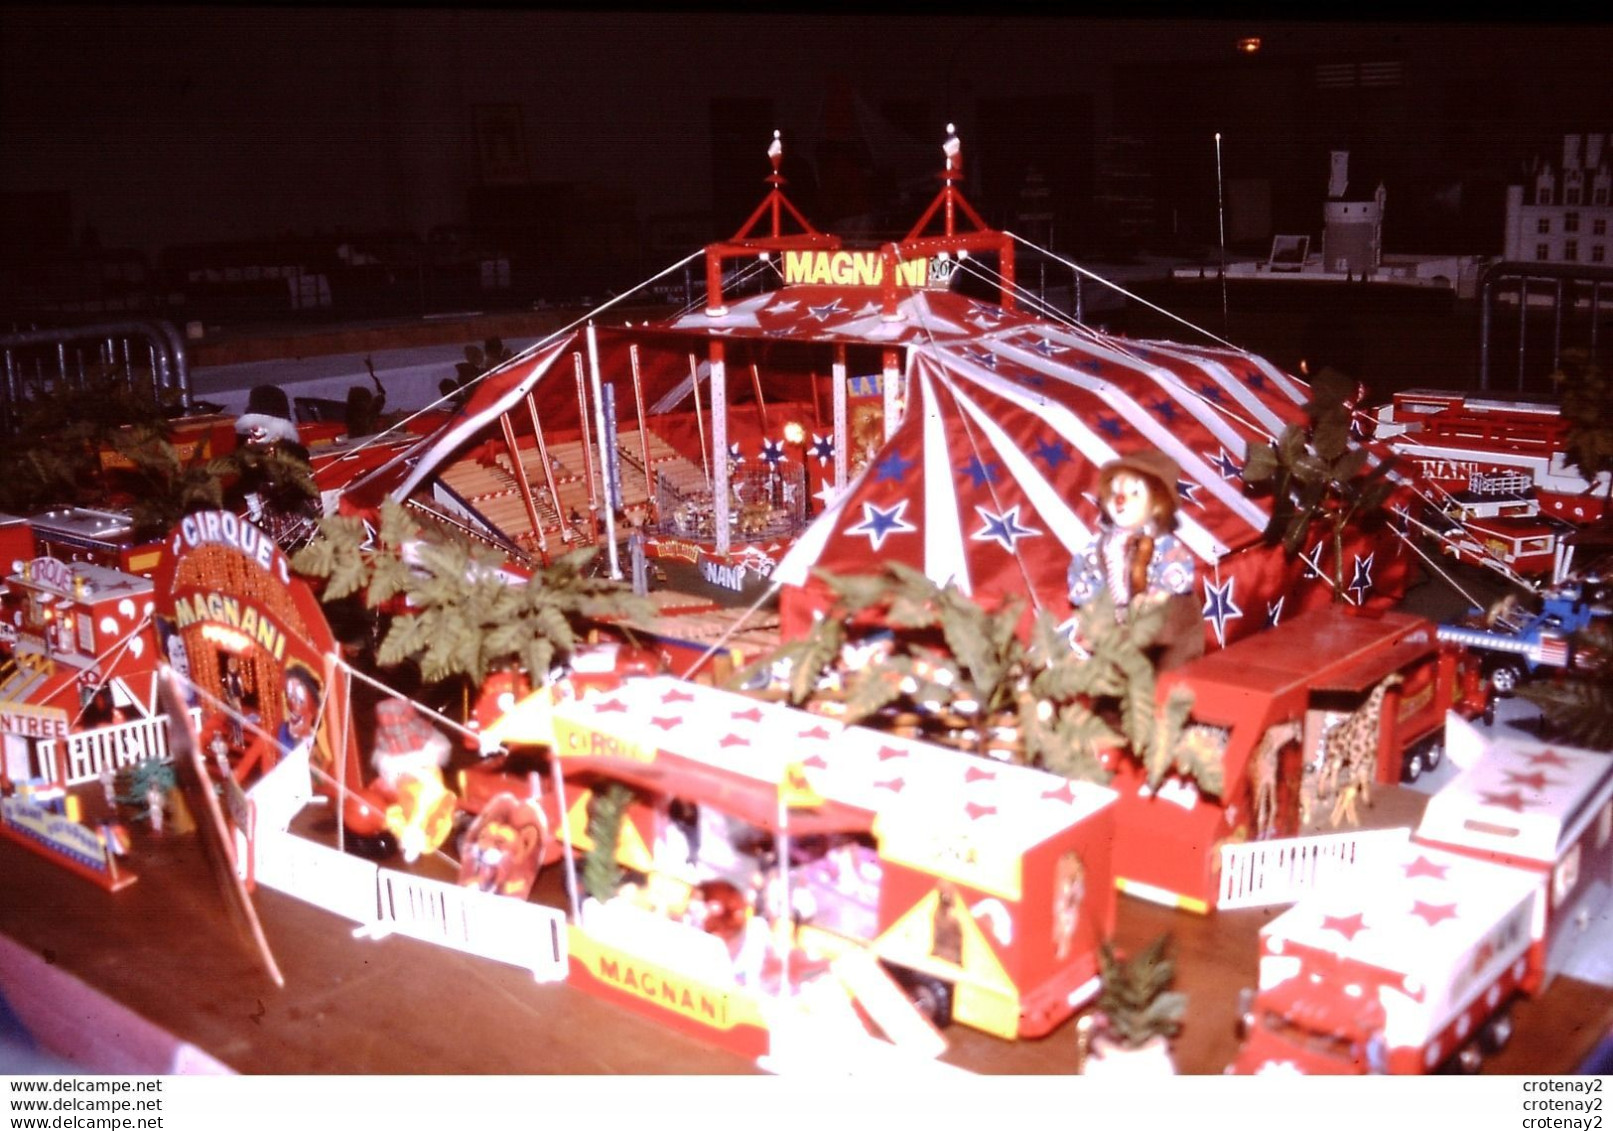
(850, 269)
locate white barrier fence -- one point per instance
(90, 753)
(1266, 872)
(387, 902)
(333, 881)
(477, 922)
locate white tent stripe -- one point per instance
(1153, 430)
(470, 425)
(944, 556)
(1266, 419)
(1169, 384)
(1062, 522)
(1092, 447)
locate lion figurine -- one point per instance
(502, 850)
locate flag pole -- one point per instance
(1221, 213)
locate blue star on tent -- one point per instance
(1219, 606)
(981, 473)
(1003, 529)
(1361, 577)
(1054, 453)
(1166, 410)
(822, 449)
(1211, 393)
(827, 311)
(1091, 365)
(1274, 612)
(1185, 489)
(1047, 347)
(880, 523)
(987, 312)
(773, 452)
(1110, 426)
(734, 453)
(1313, 563)
(1225, 464)
(981, 357)
(893, 468)
(1256, 380)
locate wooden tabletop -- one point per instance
(165, 948)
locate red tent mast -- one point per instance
(948, 203)
(746, 242)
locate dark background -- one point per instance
(395, 146)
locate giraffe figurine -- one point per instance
(1263, 772)
(1350, 755)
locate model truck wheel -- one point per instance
(1504, 677)
(1467, 1061)
(1497, 1031)
(930, 996)
(1414, 764)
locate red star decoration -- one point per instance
(611, 706)
(815, 732)
(816, 762)
(1548, 758)
(733, 740)
(1433, 913)
(895, 785)
(886, 753)
(1347, 925)
(1536, 781)
(1513, 800)
(676, 696)
(1065, 792)
(975, 812)
(666, 722)
(753, 715)
(974, 774)
(1423, 866)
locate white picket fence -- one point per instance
(89, 753)
(333, 881)
(1262, 873)
(477, 922)
(383, 901)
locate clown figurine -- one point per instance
(1136, 559)
(409, 756)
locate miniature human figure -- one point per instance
(109, 788)
(302, 697)
(154, 806)
(946, 938)
(268, 498)
(635, 550)
(1136, 559)
(409, 756)
(234, 697)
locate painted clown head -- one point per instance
(1138, 492)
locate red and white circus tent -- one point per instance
(995, 422)
(989, 481)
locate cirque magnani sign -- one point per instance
(185, 599)
(230, 610)
(851, 269)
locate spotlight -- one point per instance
(1249, 45)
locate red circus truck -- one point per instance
(1307, 673)
(981, 889)
(1412, 967)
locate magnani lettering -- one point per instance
(656, 986)
(222, 608)
(850, 269)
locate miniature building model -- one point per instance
(1563, 217)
